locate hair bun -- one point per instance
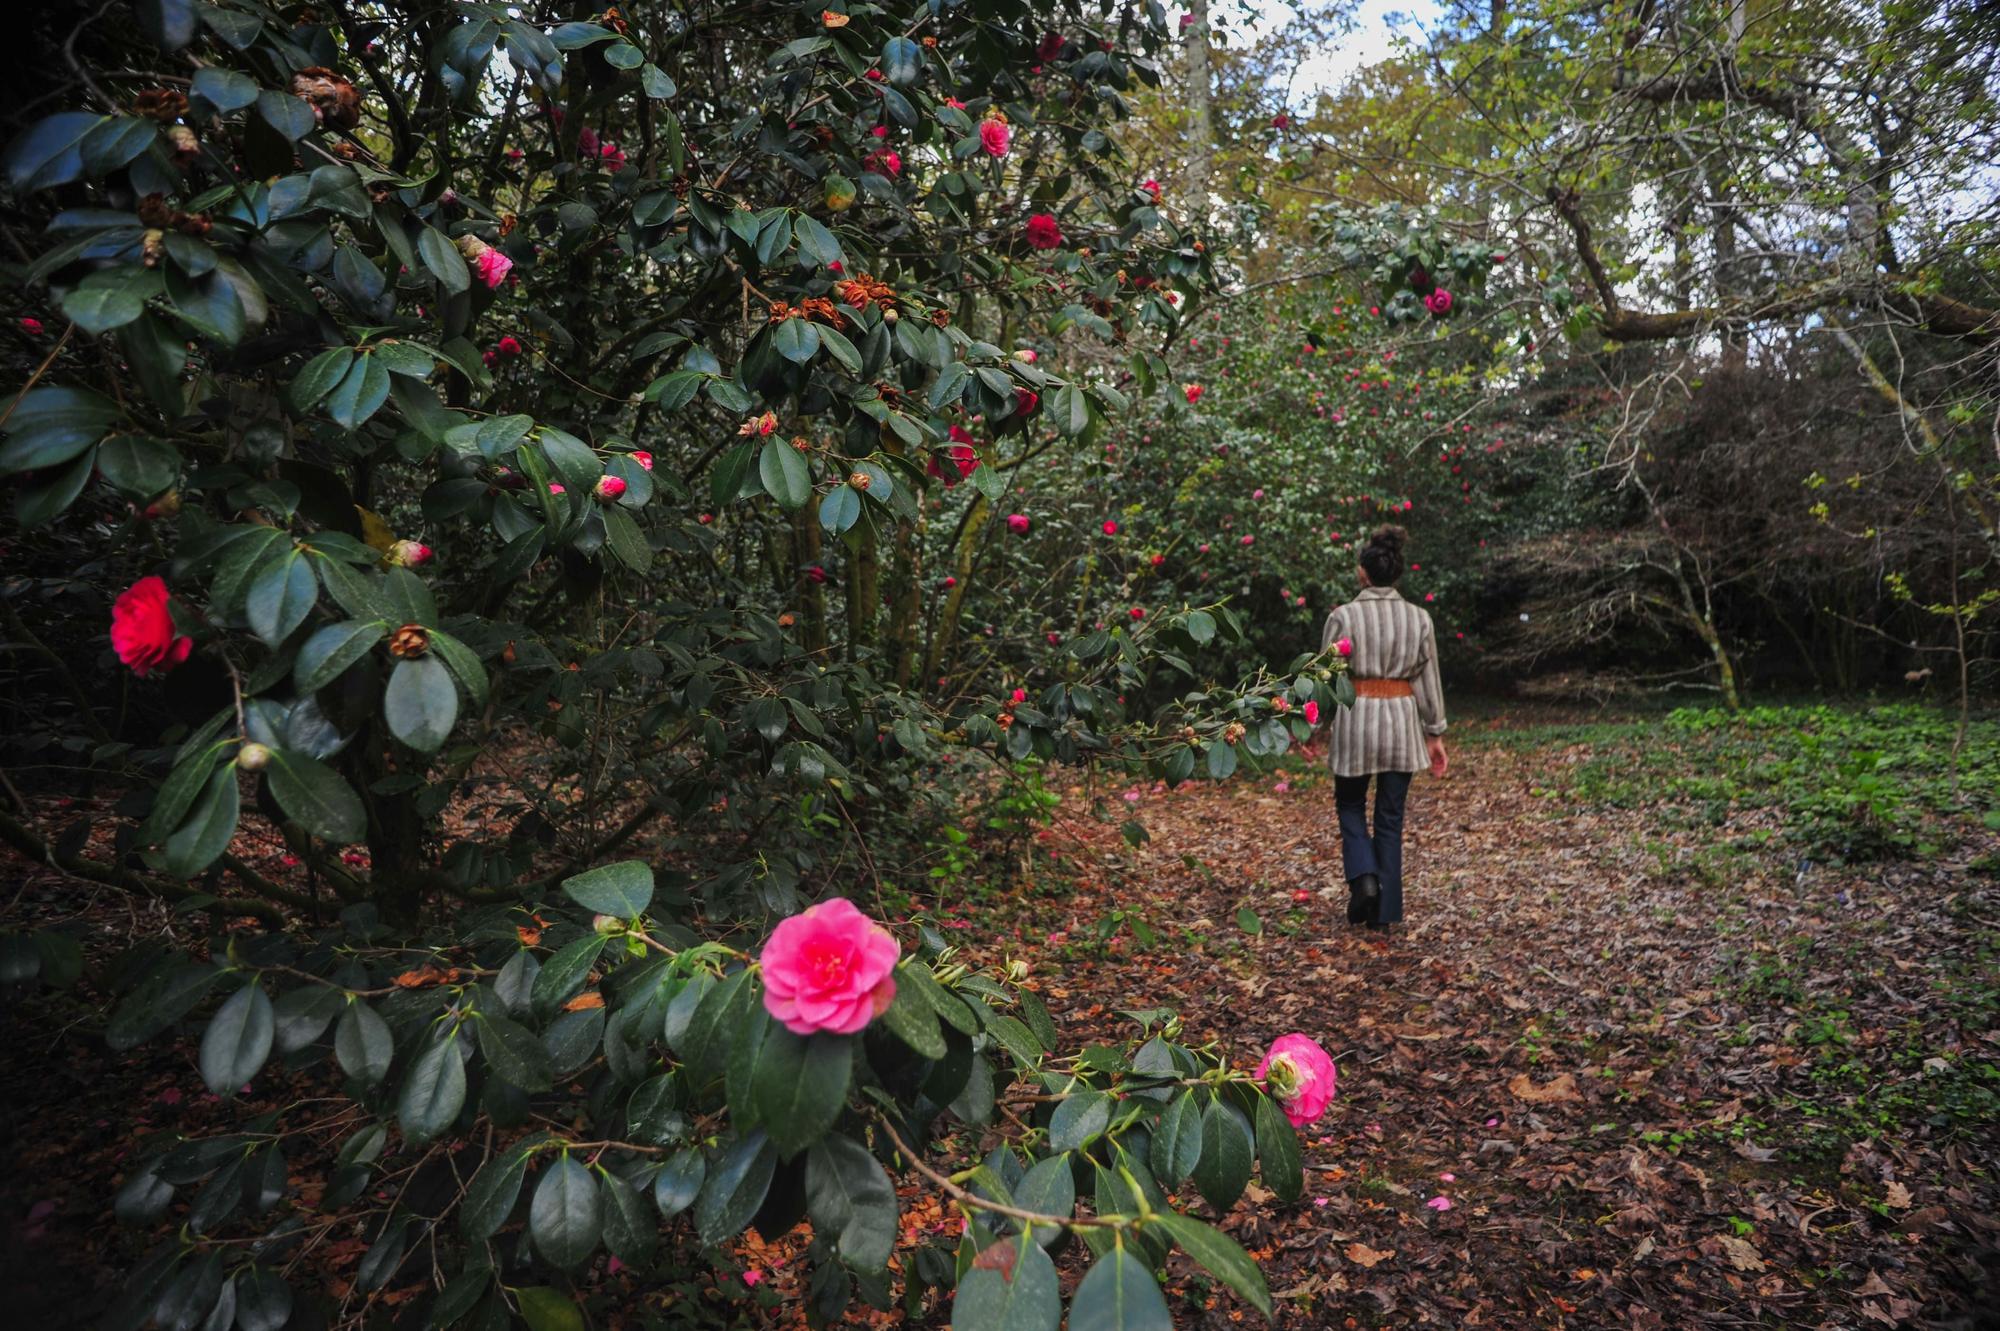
(1389, 538)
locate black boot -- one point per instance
(1364, 896)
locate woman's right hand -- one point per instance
(1440, 761)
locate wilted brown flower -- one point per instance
(861, 289)
(334, 101)
(162, 104)
(185, 144)
(411, 640)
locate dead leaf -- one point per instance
(1364, 1256)
(589, 998)
(1873, 1285)
(1897, 1197)
(1741, 1253)
(1561, 1089)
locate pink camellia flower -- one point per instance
(995, 136)
(1249, 540)
(1299, 1076)
(613, 157)
(1043, 233)
(1152, 187)
(1110, 527)
(828, 969)
(1256, 494)
(1312, 713)
(1053, 638)
(409, 554)
(1027, 355)
(1202, 549)
(1193, 392)
(1438, 302)
(1439, 1203)
(884, 162)
(1017, 523)
(879, 132)
(586, 142)
(489, 358)
(753, 1277)
(1187, 21)
(609, 487)
(643, 458)
(816, 574)
(1018, 696)
(491, 265)
(1430, 596)
(142, 629)
(557, 488)
(1345, 646)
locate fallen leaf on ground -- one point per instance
(1562, 1088)
(1364, 1256)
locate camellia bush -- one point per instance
(458, 445)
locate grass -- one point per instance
(1848, 785)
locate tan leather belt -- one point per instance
(1383, 688)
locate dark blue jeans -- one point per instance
(1379, 852)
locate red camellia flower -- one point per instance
(1194, 392)
(610, 487)
(1281, 121)
(1312, 713)
(1137, 612)
(1043, 233)
(1438, 302)
(875, 76)
(32, 327)
(644, 459)
(142, 629)
(995, 137)
(508, 346)
(1110, 527)
(1026, 401)
(816, 573)
(1159, 560)
(1152, 187)
(1049, 47)
(884, 162)
(1017, 523)
(1019, 696)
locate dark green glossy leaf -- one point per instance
(623, 889)
(852, 1200)
(563, 1218)
(421, 703)
(238, 1040)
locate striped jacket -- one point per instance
(1392, 640)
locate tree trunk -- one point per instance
(1201, 130)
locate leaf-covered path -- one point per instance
(1621, 1067)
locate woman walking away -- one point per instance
(1395, 726)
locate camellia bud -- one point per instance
(253, 757)
(409, 554)
(1018, 970)
(860, 480)
(608, 924)
(1027, 356)
(609, 488)
(889, 315)
(166, 506)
